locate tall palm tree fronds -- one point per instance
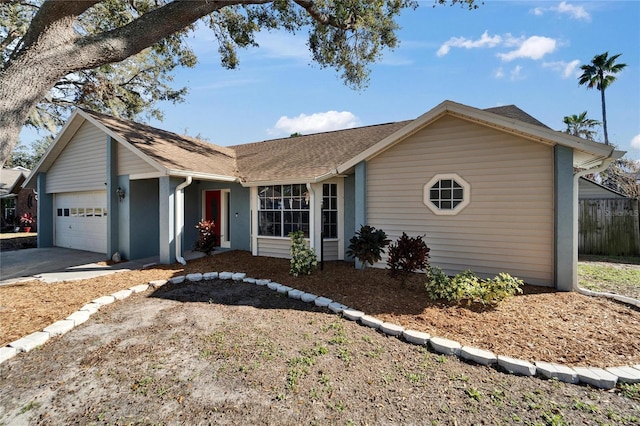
(600, 73)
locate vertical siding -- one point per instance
(508, 225)
(129, 163)
(274, 247)
(82, 165)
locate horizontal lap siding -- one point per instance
(330, 250)
(130, 163)
(508, 225)
(274, 247)
(82, 165)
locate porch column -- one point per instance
(113, 215)
(360, 200)
(566, 255)
(45, 213)
(166, 220)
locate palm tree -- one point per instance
(600, 74)
(580, 125)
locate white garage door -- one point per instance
(81, 221)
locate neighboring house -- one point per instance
(591, 190)
(491, 190)
(15, 200)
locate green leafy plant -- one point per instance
(407, 255)
(303, 258)
(207, 239)
(467, 286)
(368, 244)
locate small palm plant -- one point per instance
(368, 245)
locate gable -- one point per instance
(82, 164)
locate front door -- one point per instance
(213, 211)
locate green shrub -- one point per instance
(207, 239)
(303, 258)
(368, 244)
(407, 255)
(467, 286)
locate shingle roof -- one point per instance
(307, 157)
(173, 151)
(512, 111)
(8, 179)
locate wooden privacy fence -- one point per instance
(609, 227)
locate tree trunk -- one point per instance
(604, 117)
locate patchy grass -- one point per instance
(608, 276)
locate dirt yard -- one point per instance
(235, 353)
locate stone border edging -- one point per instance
(606, 378)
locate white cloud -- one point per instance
(575, 12)
(535, 47)
(567, 69)
(485, 40)
(515, 73)
(314, 123)
(635, 142)
(499, 73)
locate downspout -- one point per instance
(576, 182)
(179, 221)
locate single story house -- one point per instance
(15, 200)
(492, 190)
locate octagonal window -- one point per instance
(446, 194)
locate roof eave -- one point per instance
(202, 176)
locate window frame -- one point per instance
(429, 202)
(331, 210)
(286, 217)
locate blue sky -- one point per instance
(525, 53)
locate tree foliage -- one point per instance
(580, 125)
(58, 53)
(28, 155)
(600, 74)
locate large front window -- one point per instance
(283, 209)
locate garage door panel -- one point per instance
(80, 221)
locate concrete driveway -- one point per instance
(58, 264)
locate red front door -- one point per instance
(212, 211)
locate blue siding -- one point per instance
(563, 187)
(144, 219)
(349, 211)
(45, 213)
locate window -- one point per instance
(446, 194)
(283, 209)
(330, 210)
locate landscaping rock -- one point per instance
(516, 366)
(249, 280)
(370, 321)
(31, 341)
(274, 286)
(556, 371)
(479, 356)
(308, 297)
(336, 307)
(416, 337)
(194, 277)
(122, 294)
(7, 353)
(597, 377)
(391, 329)
(445, 346)
(322, 302)
(225, 275)
(295, 294)
(139, 288)
(59, 328)
(283, 289)
(79, 317)
(352, 314)
(262, 282)
(104, 300)
(626, 374)
(92, 308)
(209, 276)
(157, 283)
(177, 280)
(238, 276)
